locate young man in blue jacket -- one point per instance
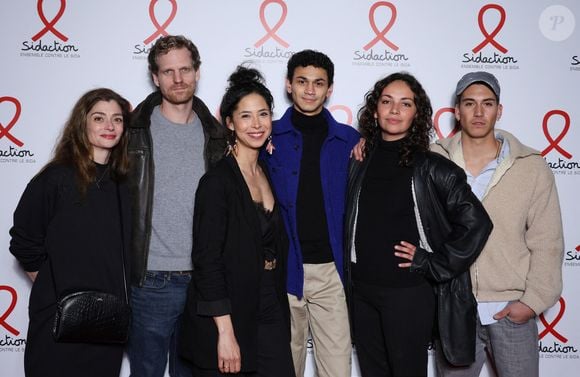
(309, 172)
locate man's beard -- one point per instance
(178, 97)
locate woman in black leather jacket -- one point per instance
(412, 225)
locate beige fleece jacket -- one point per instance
(522, 259)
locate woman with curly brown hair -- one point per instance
(67, 233)
(412, 224)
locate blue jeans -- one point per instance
(511, 347)
(157, 310)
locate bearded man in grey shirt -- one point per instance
(173, 139)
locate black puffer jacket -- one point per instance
(453, 228)
(141, 175)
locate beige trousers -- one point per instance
(322, 310)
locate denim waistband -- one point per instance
(170, 273)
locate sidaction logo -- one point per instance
(558, 348)
(449, 130)
(10, 340)
(575, 63)
(49, 42)
(341, 113)
(559, 159)
(10, 110)
(490, 53)
(141, 50)
(572, 257)
(380, 50)
(271, 47)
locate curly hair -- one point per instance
(419, 133)
(172, 42)
(74, 148)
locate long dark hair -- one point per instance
(419, 133)
(74, 148)
(242, 82)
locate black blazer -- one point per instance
(228, 261)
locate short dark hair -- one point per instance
(314, 58)
(171, 42)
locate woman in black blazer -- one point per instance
(236, 317)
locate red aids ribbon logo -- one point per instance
(160, 28)
(489, 38)
(380, 34)
(49, 25)
(344, 109)
(436, 122)
(555, 143)
(14, 298)
(271, 32)
(5, 130)
(551, 327)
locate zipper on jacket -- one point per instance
(149, 210)
(476, 270)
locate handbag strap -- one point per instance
(122, 250)
(122, 241)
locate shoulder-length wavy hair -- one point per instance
(419, 133)
(74, 149)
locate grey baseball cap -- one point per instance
(475, 77)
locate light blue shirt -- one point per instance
(480, 182)
(479, 185)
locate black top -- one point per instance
(456, 228)
(228, 258)
(268, 224)
(310, 213)
(82, 238)
(385, 218)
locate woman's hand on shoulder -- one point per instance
(358, 151)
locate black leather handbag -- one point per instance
(93, 316)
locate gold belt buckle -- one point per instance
(269, 264)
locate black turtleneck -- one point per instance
(385, 217)
(310, 213)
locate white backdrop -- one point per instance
(52, 51)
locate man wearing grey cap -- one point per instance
(518, 275)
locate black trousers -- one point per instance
(274, 355)
(392, 329)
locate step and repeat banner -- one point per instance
(52, 51)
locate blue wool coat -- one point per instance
(284, 168)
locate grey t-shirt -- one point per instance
(179, 164)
